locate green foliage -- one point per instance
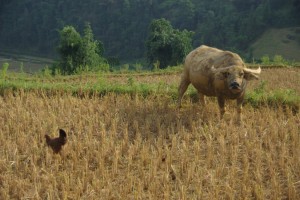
(265, 60)
(47, 72)
(90, 49)
(277, 60)
(124, 68)
(260, 89)
(166, 45)
(79, 54)
(4, 70)
(22, 67)
(70, 42)
(156, 65)
(138, 67)
(103, 67)
(130, 81)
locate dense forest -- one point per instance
(123, 25)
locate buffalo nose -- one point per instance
(234, 85)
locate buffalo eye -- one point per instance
(226, 74)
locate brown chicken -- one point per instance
(57, 143)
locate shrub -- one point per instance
(4, 70)
(124, 68)
(265, 60)
(46, 71)
(138, 67)
(278, 59)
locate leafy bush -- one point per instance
(265, 60)
(277, 60)
(124, 68)
(138, 67)
(46, 72)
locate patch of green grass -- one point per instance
(275, 98)
(4, 70)
(66, 85)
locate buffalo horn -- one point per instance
(253, 71)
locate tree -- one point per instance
(166, 45)
(70, 43)
(78, 52)
(181, 45)
(90, 50)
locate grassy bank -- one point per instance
(160, 83)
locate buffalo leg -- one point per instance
(201, 98)
(221, 102)
(181, 90)
(239, 103)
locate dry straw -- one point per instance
(133, 147)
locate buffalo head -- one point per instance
(236, 76)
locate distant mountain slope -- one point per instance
(284, 42)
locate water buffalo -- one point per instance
(218, 73)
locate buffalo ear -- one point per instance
(250, 76)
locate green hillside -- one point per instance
(284, 42)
